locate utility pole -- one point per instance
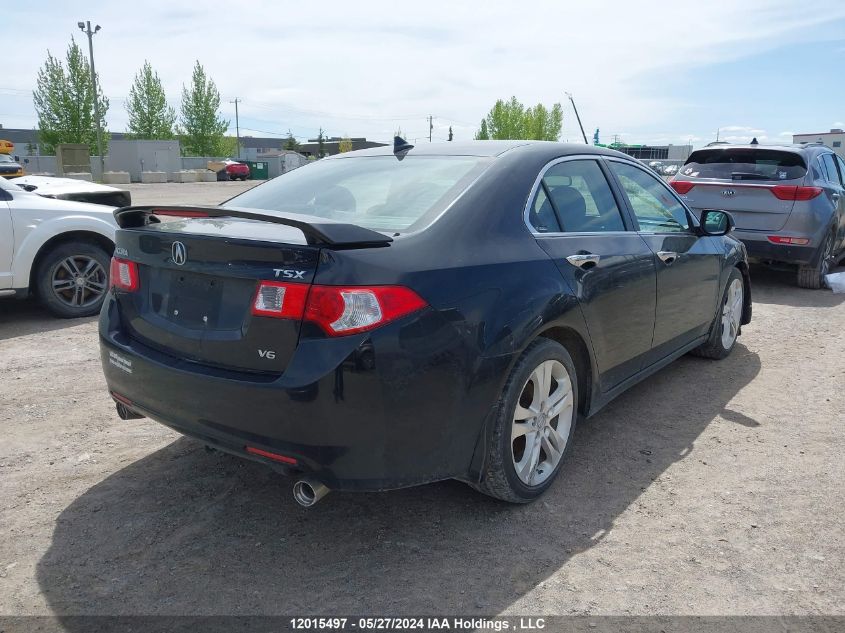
(85, 27)
(572, 101)
(237, 126)
(430, 127)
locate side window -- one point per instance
(579, 198)
(821, 168)
(542, 215)
(656, 208)
(841, 164)
(832, 172)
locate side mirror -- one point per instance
(715, 222)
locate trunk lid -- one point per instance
(754, 207)
(201, 309)
(741, 180)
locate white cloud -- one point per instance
(368, 68)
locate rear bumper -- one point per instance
(358, 413)
(761, 249)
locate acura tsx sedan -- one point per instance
(396, 316)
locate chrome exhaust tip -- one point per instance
(307, 492)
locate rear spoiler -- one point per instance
(318, 231)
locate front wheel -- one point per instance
(534, 422)
(72, 279)
(726, 327)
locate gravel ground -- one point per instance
(710, 488)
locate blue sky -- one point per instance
(650, 72)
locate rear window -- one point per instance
(744, 164)
(377, 192)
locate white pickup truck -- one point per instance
(59, 250)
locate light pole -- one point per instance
(572, 101)
(85, 27)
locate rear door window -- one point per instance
(656, 208)
(574, 196)
(744, 164)
(832, 171)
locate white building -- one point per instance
(835, 139)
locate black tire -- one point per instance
(500, 479)
(812, 277)
(714, 347)
(50, 269)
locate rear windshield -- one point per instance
(377, 192)
(744, 164)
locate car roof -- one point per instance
(789, 147)
(551, 149)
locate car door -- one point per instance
(688, 263)
(577, 220)
(836, 191)
(7, 240)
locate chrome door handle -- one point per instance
(667, 257)
(584, 260)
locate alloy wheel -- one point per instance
(541, 422)
(732, 313)
(79, 281)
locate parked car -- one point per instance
(73, 189)
(788, 201)
(380, 318)
(9, 167)
(57, 249)
(237, 171)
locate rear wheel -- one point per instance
(72, 279)
(726, 327)
(535, 420)
(813, 276)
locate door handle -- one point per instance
(667, 257)
(585, 260)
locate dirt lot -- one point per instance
(711, 488)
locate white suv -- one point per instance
(57, 249)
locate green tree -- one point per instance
(149, 115)
(451, 136)
(291, 143)
(321, 144)
(512, 120)
(483, 133)
(345, 145)
(64, 102)
(202, 131)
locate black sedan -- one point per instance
(397, 316)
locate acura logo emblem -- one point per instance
(728, 193)
(179, 253)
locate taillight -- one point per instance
(338, 310)
(784, 239)
(124, 275)
(274, 456)
(793, 192)
(682, 186)
(283, 301)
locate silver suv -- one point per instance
(788, 201)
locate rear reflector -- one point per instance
(283, 301)
(783, 239)
(682, 186)
(274, 456)
(124, 275)
(338, 310)
(792, 192)
(121, 399)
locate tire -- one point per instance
(812, 277)
(512, 438)
(61, 267)
(721, 340)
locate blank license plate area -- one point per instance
(194, 300)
